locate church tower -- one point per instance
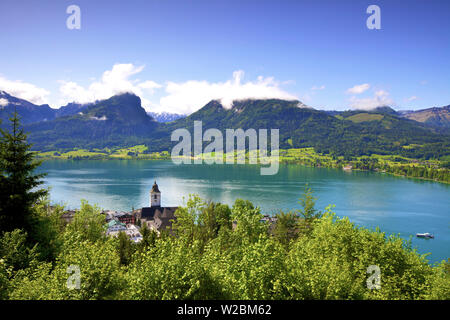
(155, 196)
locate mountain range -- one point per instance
(28, 111)
(434, 117)
(121, 121)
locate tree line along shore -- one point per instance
(431, 169)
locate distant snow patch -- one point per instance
(304, 106)
(99, 119)
(3, 102)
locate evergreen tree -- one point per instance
(18, 183)
(125, 250)
(148, 237)
(308, 202)
(308, 211)
(286, 227)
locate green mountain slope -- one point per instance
(121, 121)
(380, 133)
(118, 121)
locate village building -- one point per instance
(155, 217)
(113, 228)
(133, 233)
(125, 217)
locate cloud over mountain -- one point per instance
(114, 81)
(24, 90)
(180, 97)
(380, 98)
(189, 96)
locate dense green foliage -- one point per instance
(432, 172)
(395, 164)
(210, 259)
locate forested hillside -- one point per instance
(122, 122)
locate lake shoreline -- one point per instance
(285, 162)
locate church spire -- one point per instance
(155, 196)
(155, 188)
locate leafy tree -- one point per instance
(125, 249)
(47, 229)
(186, 224)
(4, 280)
(440, 282)
(171, 270)
(247, 268)
(201, 220)
(148, 237)
(248, 220)
(332, 262)
(286, 227)
(211, 219)
(222, 215)
(15, 251)
(99, 269)
(87, 223)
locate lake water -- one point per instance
(395, 204)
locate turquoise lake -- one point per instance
(395, 204)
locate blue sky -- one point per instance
(178, 54)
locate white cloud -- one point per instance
(412, 98)
(3, 102)
(358, 89)
(114, 81)
(24, 90)
(189, 96)
(149, 85)
(182, 97)
(380, 98)
(315, 88)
